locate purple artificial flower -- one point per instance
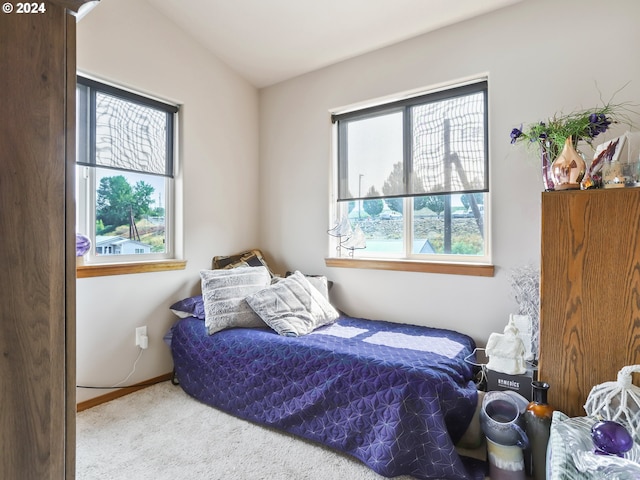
(515, 134)
(542, 135)
(598, 123)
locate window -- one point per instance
(412, 178)
(124, 177)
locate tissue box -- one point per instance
(518, 383)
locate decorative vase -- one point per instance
(547, 178)
(502, 422)
(505, 462)
(538, 427)
(568, 169)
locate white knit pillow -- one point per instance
(224, 293)
(292, 306)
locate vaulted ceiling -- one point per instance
(268, 41)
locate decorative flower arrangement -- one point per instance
(551, 135)
(583, 125)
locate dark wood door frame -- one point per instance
(37, 250)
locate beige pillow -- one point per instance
(292, 306)
(224, 292)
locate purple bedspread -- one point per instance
(397, 397)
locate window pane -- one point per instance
(383, 227)
(459, 233)
(130, 136)
(130, 213)
(374, 154)
(413, 176)
(449, 145)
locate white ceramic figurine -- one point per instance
(506, 351)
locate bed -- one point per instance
(397, 397)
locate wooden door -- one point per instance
(37, 242)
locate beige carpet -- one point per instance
(160, 433)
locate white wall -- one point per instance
(129, 43)
(541, 56)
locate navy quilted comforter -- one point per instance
(397, 397)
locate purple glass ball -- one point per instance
(83, 244)
(611, 438)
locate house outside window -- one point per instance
(124, 173)
(412, 178)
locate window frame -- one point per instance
(407, 260)
(86, 183)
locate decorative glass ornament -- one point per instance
(617, 401)
(83, 244)
(611, 438)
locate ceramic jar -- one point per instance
(501, 419)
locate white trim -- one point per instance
(336, 208)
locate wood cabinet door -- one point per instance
(589, 291)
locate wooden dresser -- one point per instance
(589, 291)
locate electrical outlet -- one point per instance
(142, 340)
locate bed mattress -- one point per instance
(395, 396)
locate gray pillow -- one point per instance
(320, 282)
(292, 306)
(224, 292)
